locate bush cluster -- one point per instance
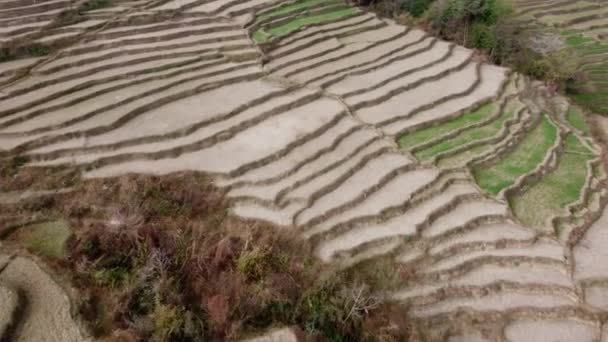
(161, 259)
(486, 25)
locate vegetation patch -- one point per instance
(459, 159)
(576, 120)
(466, 137)
(523, 159)
(494, 28)
(17, 49)
(46, 239)
(289, 9)
(427, 134)
(14, 176)
(558, 189)
(269, 32)
(160, 258)
(576, 41)
(595, 101)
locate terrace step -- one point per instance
(480, 91)
(368, 179)
(500, 274)
(360, 231)
(93, 124)
(537, 331)
(296, 127)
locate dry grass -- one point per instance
(13, 177)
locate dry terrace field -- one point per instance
(376, 142)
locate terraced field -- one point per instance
(583, 29)
(378, 143)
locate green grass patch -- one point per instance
(593, 49)
(597, 71)
(465, 137)
(591, 97)
(415, 138)
(596, 102)
(524, 158)
(556, 190)
(260, 36)
(596, 68)
(594, 65)
(294, 25)
(576, 41)
(574, 145)
(459, 159)
(293, 7)
(576, 120)
(46, 239)
(569, 32)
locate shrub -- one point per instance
(92, 5)
(490, 26)
(169, 322)
(416, 7)
(482, 36)
(159, 259)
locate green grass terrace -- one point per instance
(283, 20)
(556, 190)
(523, 159)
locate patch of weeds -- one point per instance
(91, 5)
(142, 301)
(68, 17)
(15, 175)
(159, 203)
(254, 264)
(6, 55)
(46, 239)
(18, 161)
(22, 49)
(38, 50)
(113, 275)
(320, 311)
(274, 310)
(73, 16)
(157, 258)
(171, 323)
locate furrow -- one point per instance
(135, 110)
(51, 120)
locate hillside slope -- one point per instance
(374, 141)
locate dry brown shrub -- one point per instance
(159, 258)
